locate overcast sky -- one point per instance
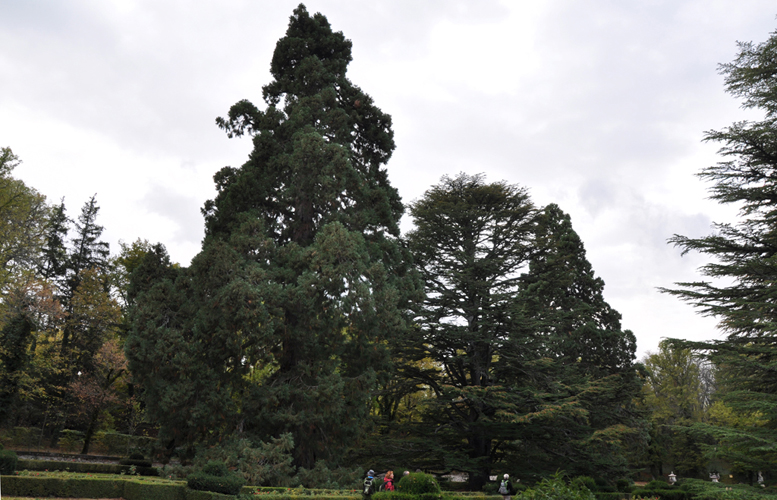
(598, 105)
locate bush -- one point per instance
(8, 462)
(555, 488)
(584, 481)
(454, 486)
(215, 476)
(71, 441)
(609, 495)
(85, 467)
(418, 483)
(657, 484)
(259, 463)
(623, 485)
(320, 476)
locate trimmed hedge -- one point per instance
(136, 462)
(610, 495)
(8, 462)
(215, 477)
(24, 486)
(84, 467)
(663, 493)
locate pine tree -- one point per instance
(740, 291)
(300, 279)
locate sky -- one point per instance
(598, 106)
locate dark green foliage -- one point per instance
(608, 495)
(321, 476)
(8, 461)
(470, 243)
(136, 490)
(567, 323)
(15, 337)
(555, 488)
(262, 463)
(417, 483)
(47, 487)
(280, 323)
(134, 461)
(740, 286)
(624, 485)
(584, 481)
(84, 467)
(214, 476)
(534, 368)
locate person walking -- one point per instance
(367, 492)
(506, 488)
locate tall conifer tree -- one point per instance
(301, 276)
(564, 313)
(745, 258)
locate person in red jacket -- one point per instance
(388, 481)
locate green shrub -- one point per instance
(259, 463)
(584, 481)
(71, 441)
(136, 490)
(454, 486)
(555, 488)
(657, 484)
(664, 493)
(418, 483)
(623, 485)
(215, 476)
(609, 495)
(42, 487)
(59, 465)
(320, 476)
(8, 462)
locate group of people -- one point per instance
(505, 487)
(388, 482)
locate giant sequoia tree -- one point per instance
(300, 278)
(745, 259)
(564, 315)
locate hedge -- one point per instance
(8, 461)
(129, 489)
(25, 486)
(663, 493)
(84, 467)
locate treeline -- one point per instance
(308, 334)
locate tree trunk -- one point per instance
(90, 431)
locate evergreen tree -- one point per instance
(471, 241)
(53, 266)
(300, 280)
(566, 321)
(88, 253)
(743, 270)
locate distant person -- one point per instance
(367, 492)
(506, 488)
(388, 481)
